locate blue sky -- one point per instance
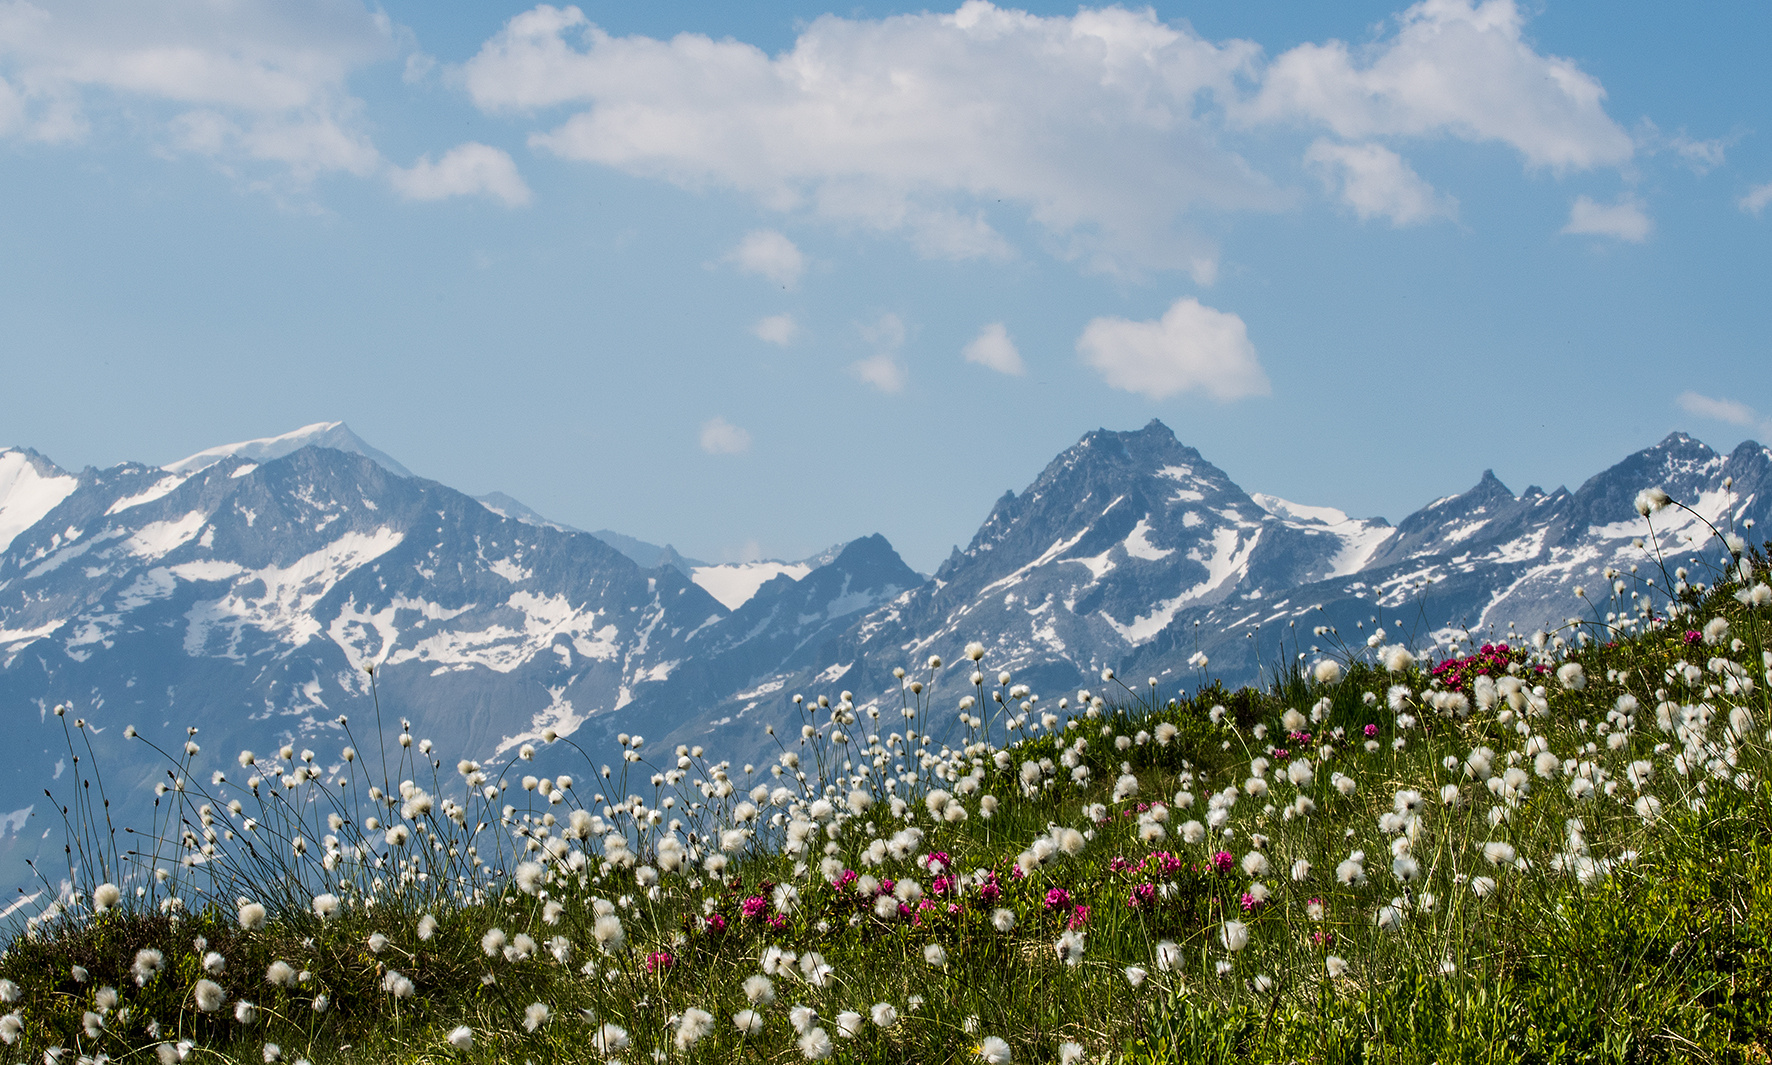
(752, 279)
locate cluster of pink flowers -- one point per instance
(754, 908)
(1371, 731)
(716, 923)
(989, 891)
(659, 961)
(1249, 902)
(1058, 899)
(1224, 862)
(1142, 895)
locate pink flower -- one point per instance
(778, 922)
(754, 907)
(1142, 895)
(990, 892)
(659, 960)
(1223, 861)
(1079, 917)
(1058, 899)
(1371, 731)
(1250, 902)
(716, 923)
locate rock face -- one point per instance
(243, 590)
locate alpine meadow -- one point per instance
(1021, 532)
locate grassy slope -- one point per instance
(1666, 955)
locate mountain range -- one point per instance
(244, 589)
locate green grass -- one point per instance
(1642, 938)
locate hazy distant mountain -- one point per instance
(335, 435)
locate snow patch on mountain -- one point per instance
(1229, 561)
(28, 491)
(559, 715)
(163, 487)
(335, 435)
(734, 583)
(285, 597)
(1138, 543)
(540, 622)
(1361, 538)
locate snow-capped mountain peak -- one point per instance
(335, 435)
(30, 487)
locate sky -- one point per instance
(753, 279)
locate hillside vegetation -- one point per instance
(1553, 847)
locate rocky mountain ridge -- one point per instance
(244, 590)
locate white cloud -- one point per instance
(721, 437)
(1624, 220)
(887, 333)
(1108, 128)
(993, 349)
(1191, 348)
(883, 371)
(1728, 411)
(1092, 124)
(777, 329)
(1701, 156)
(1453, 68)
(465, 170)
(1377, 183)
(768, 254)
(254, 80)
(1756, 199)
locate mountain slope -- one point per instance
(243, 590)
(246, 598)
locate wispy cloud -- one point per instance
(1108, 128)
(1625, 220)
(882, 369)
(768, 254)
(1756, 199)
(466, 170)
(1727, 411)
(777, 329)
(721, 437)
(1377, 183)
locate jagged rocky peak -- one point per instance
(1143, 488)
(866, 572)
